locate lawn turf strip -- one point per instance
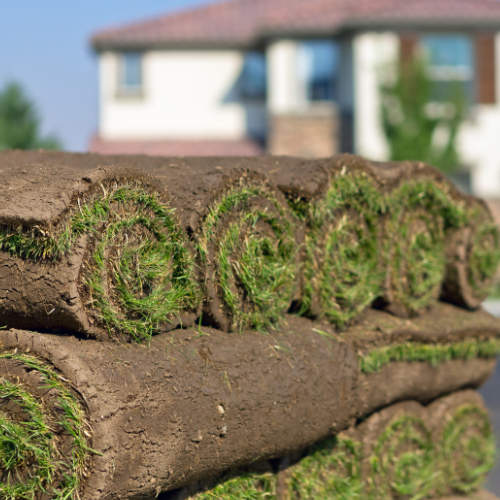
(394, 454)
(250, 239)
(35, 427)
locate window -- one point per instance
(451, 64)
(254, 76)
(130, 73)
(318, 67)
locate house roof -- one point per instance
(246, 22)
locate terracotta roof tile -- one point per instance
(440, 11)
(243, 22)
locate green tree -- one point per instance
(19, 122)
(416, 125)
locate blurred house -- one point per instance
(295, 77)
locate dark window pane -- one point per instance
(449, 50)
(131, 71)
(451, 65)
(318, 68)
(254, 77)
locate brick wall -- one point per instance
(313, 133)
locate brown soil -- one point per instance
(426, 423)
(45, 294)
(442, 323)
(193, 183)
(296, 177)
(197, 403)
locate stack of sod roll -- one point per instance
(241, 328)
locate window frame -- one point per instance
(243, 90)
(122, 90)
(307, 80)
(447, 74)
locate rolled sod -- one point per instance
(412, 451)
(364, 219)
(466, 442)
(44, 431)
(248, 253)
(99, 251)
(398, 453)
(236, 241)
(338, 211)
(98, 420)
(423, 208)
(405, 451)
(433, 241)
(245, 236)
(471, 237)
(396, 236)
(342, 275)
(473, 256)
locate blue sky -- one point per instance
(45, 46)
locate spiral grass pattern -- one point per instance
(140, 271)
(483, 257)
(331, 470)
(249, 486)
(342, 272)
(467, 449)
(32, 428)
(420, 214)
(361, 244)
(390, 459)
(402, 464)
(248, 249)
(137, 272)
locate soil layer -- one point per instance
(197, 402)
(94, 251)
(458, 265)
(404, 451)
(236, 227)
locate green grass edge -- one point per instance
(333, 468)
(434, 354)
(74, 423)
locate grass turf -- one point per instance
(434, 354)
(421, 213)
(406, 462)
(331, 470)
(467, 449)
(30, 459)
(342, 272)
(255, 269)
(243, 487)
(484, 256)
(403, 461)
(139, 272)
(346, 268)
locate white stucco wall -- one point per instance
(284, 90)
(479, 142)
(371, 52)
(187, 95)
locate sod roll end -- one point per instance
(99, 252)
(248, 252)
